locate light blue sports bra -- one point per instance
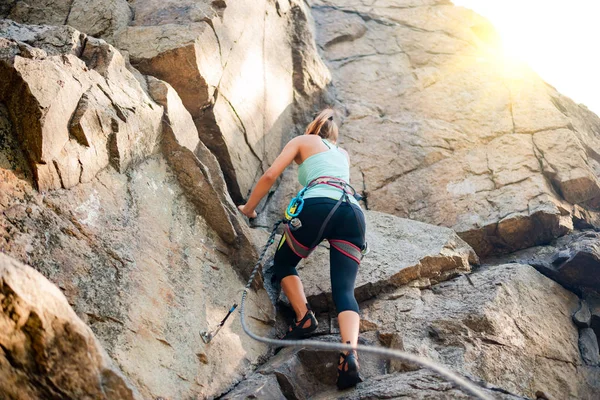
(331, 163)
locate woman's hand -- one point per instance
(247, 213)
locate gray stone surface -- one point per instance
(245, 70)
(241, 105)
(583, 316)
(197, 171)
(303, 373)
(411, 385)
(147, 246)
(512, 328)
(581, 268)
(588, 345)
(257, 386)
(572, 260)
(141, 267)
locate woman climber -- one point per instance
(329, 210)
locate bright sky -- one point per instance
(557, 38)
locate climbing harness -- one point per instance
(356, 254)
(294, 209)
(297, 202)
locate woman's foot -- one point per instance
(303, 328)
(348, 375)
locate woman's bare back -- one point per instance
(309, 145)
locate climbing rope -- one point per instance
(385, 352)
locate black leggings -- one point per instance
(343, 225)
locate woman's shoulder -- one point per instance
(306, 140)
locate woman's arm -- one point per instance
(285, 158)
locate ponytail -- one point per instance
(324, 126)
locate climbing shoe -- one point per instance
(348, 375)
(298, 331)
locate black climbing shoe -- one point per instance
(297, 331)
(348, 377)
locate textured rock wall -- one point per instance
(486, 146)
(243, 69)
(109, 188)
(74, 104)
(441, 129)
(403, 251)
(141, 267)
(46, 351)
(119, 187)
(509, 325)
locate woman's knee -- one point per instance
(284, 270)
(345, 302)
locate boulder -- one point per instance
(463, 138)
(511, 328)
(402, 252)
(74, 104)
(579, 264)
(46, 350)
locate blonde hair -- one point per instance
(324, 126)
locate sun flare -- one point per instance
(555, 38)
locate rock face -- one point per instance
(76, 106)
(198, 173)
(412, 385)
(215, 59)
(46, 350)
(583, 316)
(140, 265)
(515, 331)
(461, 138)
(506, 325)
(230, 62)
(579, 264)
(588, 345)
(130, 129)
(403, 251)
(146, 242)
(97, 18)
